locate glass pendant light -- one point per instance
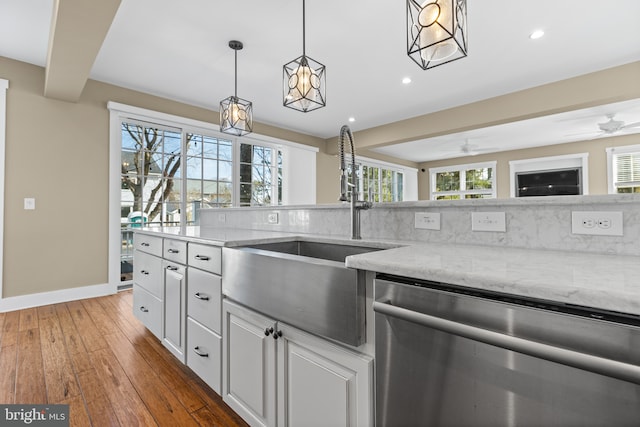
(236, 114)
(436, 31)
(304, 80)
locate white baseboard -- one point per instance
(55, 297)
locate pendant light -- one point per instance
(436, 31)
(304, 80)
(236, 114)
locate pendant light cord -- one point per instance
(304, 53)
(236, 75)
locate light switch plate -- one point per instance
(427, 220)
(488, 221)
(597, 223)
(29, 203)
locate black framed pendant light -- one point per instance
(236, 114)
(304, 80)
(436, 31)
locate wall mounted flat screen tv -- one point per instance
(558, 182)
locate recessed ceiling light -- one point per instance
(352, 119)
(406, 80)
(536, 34)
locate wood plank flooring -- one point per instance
(95, 356)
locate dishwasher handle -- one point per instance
(599, 365)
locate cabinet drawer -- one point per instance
(148, 309)
(149, 244)
(204, 354)
(204, 292)
(206, 257)
(175, 250)
(147, 272)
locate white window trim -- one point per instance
(549, 163)
(433, 171)
(617, 150)
(119, 112)
(4, 86)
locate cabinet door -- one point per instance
(249, 364)
(321, 384)
(174, 308)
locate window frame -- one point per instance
(462, 192)
(612, 152)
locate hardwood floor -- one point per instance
(97, 357)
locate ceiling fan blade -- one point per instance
(631, 125)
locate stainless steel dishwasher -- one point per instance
(449, 356)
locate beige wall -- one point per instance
(595, 148)
(58, 153)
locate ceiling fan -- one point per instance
(612, 126)
(471, 149)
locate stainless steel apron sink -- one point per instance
(301, 283)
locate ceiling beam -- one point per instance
(78, 29)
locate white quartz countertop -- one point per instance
(609, 282)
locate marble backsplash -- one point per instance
(533, 223)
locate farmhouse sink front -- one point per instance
(302, 283)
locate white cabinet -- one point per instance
(148, 282)
(148, 309)
(249, 364)
(204, 314)
(294, 379)
(321, 384)
(174, 331)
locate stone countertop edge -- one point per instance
(608, 282)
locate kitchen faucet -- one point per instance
(356, 205)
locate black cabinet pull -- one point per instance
(268, 331)
(277, 335)
(173, 251)
(145, 244)
(144, 309)
(197, 351)
(202, 257)
(172, 268)
(202, 297)
(145, 272)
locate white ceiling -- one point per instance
(179, 50)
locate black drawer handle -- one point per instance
(144, 309)
(173, 251)
(197, 351)
(172, 268)
(145, 272)
(202, 257)
(145, 244)
(202, 297)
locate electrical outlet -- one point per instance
(488, 221)
(29, 203)
(272, 218)
(427, 220)
(222, 217)
(597, 223)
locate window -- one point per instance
(260, 175)
(473, 181)
(624, 169)
(163, 168)
(378, 182)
